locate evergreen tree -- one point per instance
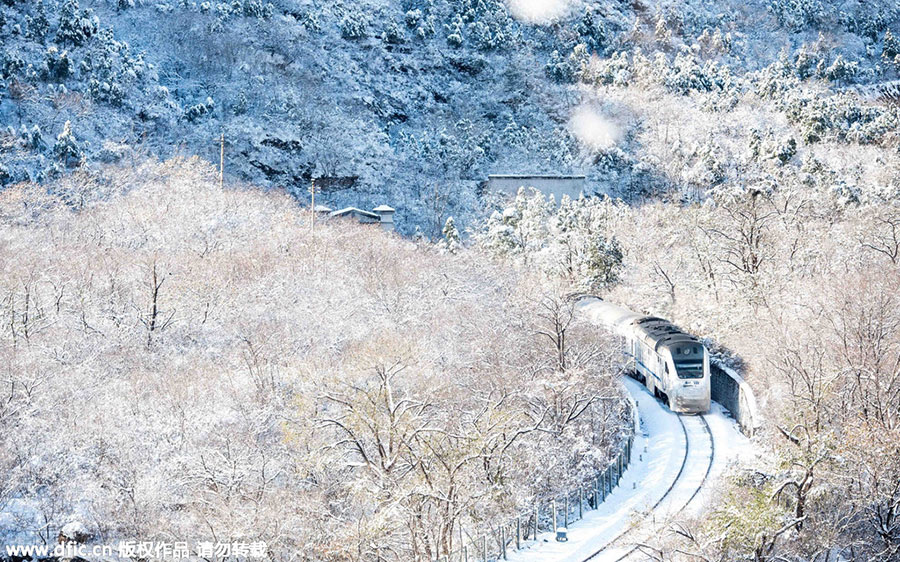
(37, 26)
(393, 34)
(842, 70)
(67, 149)
(568, 69)
(455, 35)
(354, 25)
(58, 65)
(604, 262)
(784, 151)
(33, 138)
(76, 25)
(592, 32)
(451, 236)
(890, 49)
(661, 29)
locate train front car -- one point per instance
(688, 390)
(673, 365)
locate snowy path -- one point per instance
(673, 461)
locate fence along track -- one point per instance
(668, 491)
(523, 529)
(712, 454)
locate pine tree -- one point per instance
(841, 70)
(661, 30)
(38, 25)
(592, 32)
(354, 25)
(67, 149)
(890, 48)
(5, 175)
(455, 35)
(59, 66)
(33, 138)
(603, 262)
(451, 236)
(76, 25)
(499, 235)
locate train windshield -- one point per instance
(689, 369)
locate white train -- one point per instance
(672, 364)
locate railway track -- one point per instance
(694, 489)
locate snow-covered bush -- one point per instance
(12, 63)
(451, 240)
(784, 150)
(422, 23)
(890, 49)
(393, 34)
(686, 74)
(614, 70)
(455, 32)
(354, 25)
(197, 111)
(842, 70)
(490, 27)
(413, 18)
(259, 9)
(33, 138)
(5, 175)
(806, 63)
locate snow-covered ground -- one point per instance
(657, 459)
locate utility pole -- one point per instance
(222, 161)
(312, 205)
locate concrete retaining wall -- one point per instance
(734, 394)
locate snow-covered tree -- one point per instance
(354, 25)
(37, 25)
(58, 65)
(890, 48)
(76, 25)
(67, 149)
(842, 70)
(451, 236)
(150, 267)
(568, 68)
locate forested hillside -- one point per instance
(183, 361)
(180, 357)
(799, 290)
(419, 100)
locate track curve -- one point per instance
(672, 492)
